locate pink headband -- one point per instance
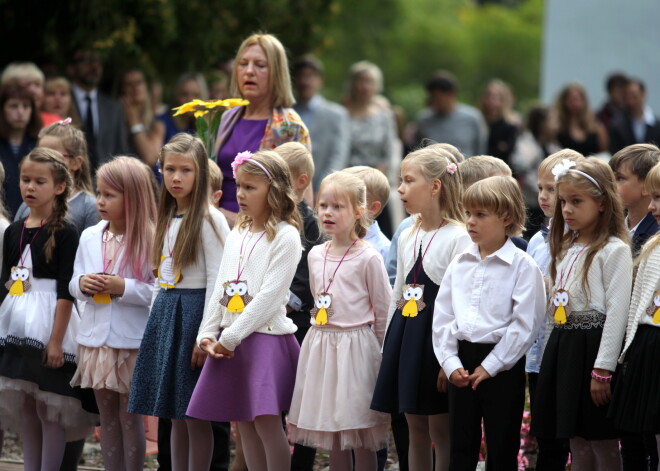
(65, 122)
(246, 156)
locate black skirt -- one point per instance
(636, 401)
(563, 407)
(407, 379)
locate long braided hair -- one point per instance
(61, 174)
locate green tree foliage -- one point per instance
(408, 39)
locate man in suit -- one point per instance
(102, 117)
(638, 125)
(327, 121)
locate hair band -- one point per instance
(246, 156)
(65, 122)
(451, 167)
(566, 166)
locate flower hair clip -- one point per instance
(65, 122)
(562, 168)
(451, 167)
(246, 156)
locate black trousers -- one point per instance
(499, 401)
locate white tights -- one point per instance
(425, 430)
(43, 440)
(265, 444)
(122, 433)
(595, 455)
(191, 444)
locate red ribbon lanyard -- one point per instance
(22, 257)
(106, 262)
(240, 270)
(562, 282)
(325, 259)
(421, 263)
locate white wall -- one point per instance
(585, 40)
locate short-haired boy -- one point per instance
(378, 194)
(487, 313)
(215, 183)
(479, 167)
(631, 165)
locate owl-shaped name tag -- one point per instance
(236, 296)
(654, 309)
(560, 300)
(412, 300)
(18, 281)
(167, 276)
(321, 311)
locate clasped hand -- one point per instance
(95, 283)
(215, 349)
(462, 378)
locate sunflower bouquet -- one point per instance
(207, 114)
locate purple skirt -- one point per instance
(258, 380)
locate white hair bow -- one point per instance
(562, 168)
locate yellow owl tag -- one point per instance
(560, 300)
(654, 309)
(321, 311)
(102, 298)
(411, 301)
(236, 296)
(167, 277)
(18, 281)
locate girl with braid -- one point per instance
(38, 322)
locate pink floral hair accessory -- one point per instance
(246, 156)
(451, 167)
(65, 122)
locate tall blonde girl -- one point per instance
(636, 394)
(70, 141)
(188, 247)
(111, 274)
(340, 355)
(249, 375)
(431, 187)
(38, 322)
(591, 272)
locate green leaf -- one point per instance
(202, 128)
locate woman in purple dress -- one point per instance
(260, 75)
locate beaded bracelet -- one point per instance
(601, 379)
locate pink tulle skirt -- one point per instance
(105, 368)
(335, 381)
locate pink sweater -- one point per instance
(360, 291)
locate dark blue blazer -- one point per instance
(646, 228)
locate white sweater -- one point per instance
(268, 272)
(450, 241)
(205, 270)
(610, 284)
(647, 283)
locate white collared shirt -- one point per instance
(80, 96)
(498, 300)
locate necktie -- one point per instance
(89, 133)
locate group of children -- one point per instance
(184, 319)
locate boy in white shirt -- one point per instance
(487, 313)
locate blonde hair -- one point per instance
(73, 140)
(547, 164)
(189, 237)
(500, 195)
(298, 158)
(62, 82)
(432, 162)
(281, 198)
(364, 68)
(61, 174)
(278, 68)
(20, 70)
(352, 189)
(479, 167)
(610, 222)
(378, 187)
(215, 177)
(652, 185)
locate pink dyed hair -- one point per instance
(131, 177)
